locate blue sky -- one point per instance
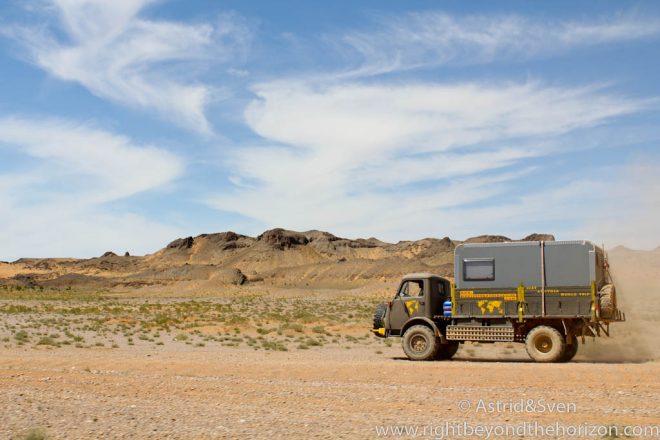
(126, 124)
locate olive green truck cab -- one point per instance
(547, 295)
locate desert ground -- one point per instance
(279, 367)
(206, 393)
(285, 357)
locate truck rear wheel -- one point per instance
(571, 350)
(545, 344)
(420, 343)
(447, 351)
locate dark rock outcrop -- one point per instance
(225, 240)
(282, 239)
(181, 243)
(222, 236)
(488, 239)
(315, 235)
(539, 237)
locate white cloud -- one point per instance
(363, 119)
(387, 160)
(145, 64)
(396, 159)
(115, 166)
(435, 38)
(55, 204)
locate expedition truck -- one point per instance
(547, 295)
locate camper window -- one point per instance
(479, 269)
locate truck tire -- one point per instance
(379, 316)
(420, 343)
(545, 344)
(447, 351)
(607, 301)
(571, 350)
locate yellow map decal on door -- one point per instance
(491, 306)
(412, 307)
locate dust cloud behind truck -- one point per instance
(547, 295)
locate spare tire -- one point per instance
(607, 298)
(379, 316)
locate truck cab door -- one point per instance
(409, 302)
(440, 292)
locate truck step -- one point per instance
(480, 333)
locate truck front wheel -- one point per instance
(420, 343)
(545, 344)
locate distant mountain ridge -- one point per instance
(277, 257)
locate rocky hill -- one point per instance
(278, 258)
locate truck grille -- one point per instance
(479, 333)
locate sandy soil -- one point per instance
(222, 392)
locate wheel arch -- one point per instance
(422, 321)
(558, 324)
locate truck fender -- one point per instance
(427, 322)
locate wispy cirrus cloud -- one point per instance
(112, 165)
(360, 155)
(435, 38)
(336, 147)
(55, 204)
(386, 159)
(108, 48)
(370, 119)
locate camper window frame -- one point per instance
(466, 261)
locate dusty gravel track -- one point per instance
(322, 393)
